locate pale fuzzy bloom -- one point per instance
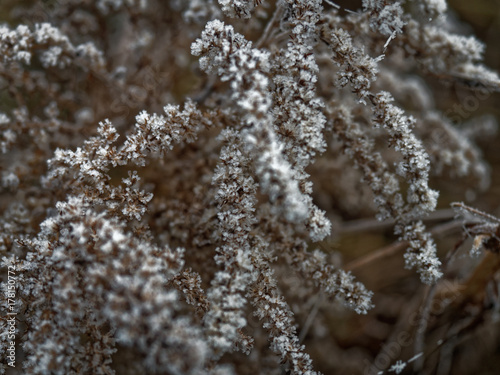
(272, 308)
(313, 266)
(298, 117)
(237, 8)
(358, 68)
(452, 152)
(197, 11)
(421, 252)
(477, 74)
(4, 119)
(162, 132)
(236, 201)
(462, 60)
(398, 367)
(319, 226)
(385, 18)
(383, 183)
(336, 283)
(250, 67)
(107, 256)
(434, 8)
(55, 48)
(10, 180)
(420, 198)
(107, 6)
(414, 168)
(15, 44)
(415, 165)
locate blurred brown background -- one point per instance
(483, 17)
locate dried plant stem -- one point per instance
(270, 27)
(440, 230)
(364, 225)
(312, 315)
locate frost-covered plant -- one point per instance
(172, 170)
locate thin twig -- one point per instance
(475, 212)
(419, 344)
(363, 225)
(206, 91)
(311, 316)
(424, 318)
(394, 248)
(267, 31)
(331, 3)
(403, 324)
